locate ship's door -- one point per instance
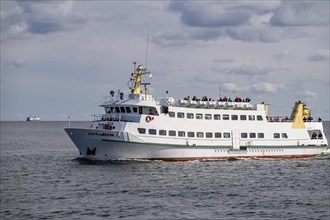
(235, 139)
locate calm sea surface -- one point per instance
(41, 178)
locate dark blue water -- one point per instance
(41, 179)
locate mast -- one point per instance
(136, 76)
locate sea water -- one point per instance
(41, 178)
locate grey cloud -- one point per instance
(249, 21)
(224, 60)
(214, 14)
(40, 17)
(320, 55)
(301, 13)
(248, 70)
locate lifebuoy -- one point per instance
(149, 118)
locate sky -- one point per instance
(63, 57)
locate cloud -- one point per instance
(266, 87)
(301, 13)
(262, 87)
(38, 17)
(319, 55)
(305, 94)
(224, 60)
(284, 55)
(247, 21)
(251, 70)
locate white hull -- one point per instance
(97, 145)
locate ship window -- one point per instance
(142, 130)
(261, 135)
(284, 135)
(112, 110)
(259, 117)
(180, 115)
(217, 135)
(252, 135)
(208, 116)
(107, 110)
(117, 110)
(216, 117)
(171, 114)
(162, 132)
(191, 134)
(243, 135)
(200, 134)
(225, 117)
(172, 133)
(140, 110)
(252, 117)
(122, 109)
(209, 134)
(276, 135)
(181, 134)
(234, 117)
(152, 131)
(242, 117)
(190, 115)
(128, 109)
(226, 135)
(135, 109)
(199, 116)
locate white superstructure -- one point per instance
(33, 118)
(141, 127)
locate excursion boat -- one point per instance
(33, 118)
(140, 127)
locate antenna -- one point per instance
(147, 49)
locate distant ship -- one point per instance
(140, 127)
(33, 118)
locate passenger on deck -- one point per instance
(314, 135)
(320, 136)
(319, 120)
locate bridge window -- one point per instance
(122, 109)
(128, 109)
(117, 109)
(135, 109)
